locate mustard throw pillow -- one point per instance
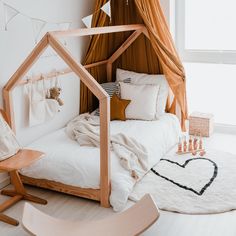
(118, 107)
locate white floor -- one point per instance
(169, 224)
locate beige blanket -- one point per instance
(133, 155)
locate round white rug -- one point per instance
(191, 184)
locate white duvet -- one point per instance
(68, 163)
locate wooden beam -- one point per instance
(104, 106)
(109, 71)
(4, 115)
(99, 63)
(8, 107)
(89, 193)
(77, 68)
(62, 72)
(97, 30)
(124, 46)
(146, 33)
(7, 204)
(46, 76)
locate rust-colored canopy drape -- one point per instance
(156, 55)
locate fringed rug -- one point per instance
(191, 184)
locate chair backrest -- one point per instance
(133, 221)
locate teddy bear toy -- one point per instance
(54, 93)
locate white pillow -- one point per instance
(143, 100)
(140, 78)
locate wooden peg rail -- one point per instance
(55, 73)
(50, 75)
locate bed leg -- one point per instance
(105, 195)
(105, 202)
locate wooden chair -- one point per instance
(12, 165)
(131, 222)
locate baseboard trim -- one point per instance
(224, 128)
(6, 181)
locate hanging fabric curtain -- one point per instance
(159, 52)
(163, 45)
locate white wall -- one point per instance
(168, 7)
(17, 42)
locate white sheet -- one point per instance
(67, 162)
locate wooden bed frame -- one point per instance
(52, 39)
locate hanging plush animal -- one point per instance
(54, 93)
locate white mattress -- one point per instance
(68, 163)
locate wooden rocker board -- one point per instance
(130, 222)
(20, 160)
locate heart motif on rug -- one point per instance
(184, 167)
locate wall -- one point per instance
(17, 42)
(168, 7)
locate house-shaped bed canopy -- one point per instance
(141, 47)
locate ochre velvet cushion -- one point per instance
(118, 107)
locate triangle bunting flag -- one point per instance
(88, 21)
(10, 14)
(38, 26)
(107, 8)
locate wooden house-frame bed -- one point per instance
(52, 39)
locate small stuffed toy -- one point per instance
(54, 93)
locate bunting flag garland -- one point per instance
(88, 21)
(10, 14)
(107, 8)
(38, 26)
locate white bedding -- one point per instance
(68, 163)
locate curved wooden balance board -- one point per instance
(131, 222)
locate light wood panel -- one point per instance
(109, 71)
(8, 106)
(104, 106)
(133, 221)
(93, 194)
(104, 102)
(22, 159)
(4, 115)
(46, 76)
(97, 30)
(99, 63)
